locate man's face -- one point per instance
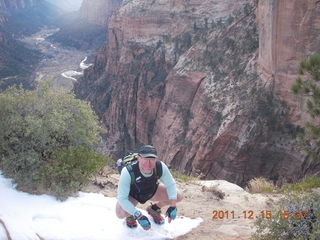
(147, 164)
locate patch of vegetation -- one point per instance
(305, 185)
(178, 175)
(182, 43)
(16, 64)
(308, 87)
(46, 140)
(297, 217)
(260, 185)
(263, 185)
(70, 168)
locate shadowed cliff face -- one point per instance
(98, 11)
(87, 29)
(186, 76)
(9, 7)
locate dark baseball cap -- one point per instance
(148, 151)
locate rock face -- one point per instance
(289, 31)
(199, 81)
(98, 11)
(88, 31)
(7, 6)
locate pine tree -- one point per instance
(308, 86)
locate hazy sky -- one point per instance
(67, 5)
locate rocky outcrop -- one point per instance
(98, 11)
(196, 79)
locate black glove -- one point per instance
(171, 213)
(142, 220)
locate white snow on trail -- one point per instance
(89, 216)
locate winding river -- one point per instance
(60, 65)
(71, 74)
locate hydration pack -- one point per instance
(128, 159)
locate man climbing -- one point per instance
(139, 183)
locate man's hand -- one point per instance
(142, 220)
(171, 213)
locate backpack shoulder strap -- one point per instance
(130, 170)
(158, 170)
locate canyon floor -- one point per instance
(56, 60)
(201, 198)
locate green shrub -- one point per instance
(178, 175)
(307, 86)
(70, 168)
(38, 129)
(296, 218)
(304, 185)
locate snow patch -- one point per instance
(89, 216)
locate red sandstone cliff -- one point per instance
(289, 32)
(207, 82)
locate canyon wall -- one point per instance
(289, 31)
(10, 5)
(206, 82)
(7, 7)
(19, 18)
(98, 11)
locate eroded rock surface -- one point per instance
(207, 82)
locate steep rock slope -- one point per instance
(190, 77)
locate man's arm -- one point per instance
(169, 183)
(123, 192)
